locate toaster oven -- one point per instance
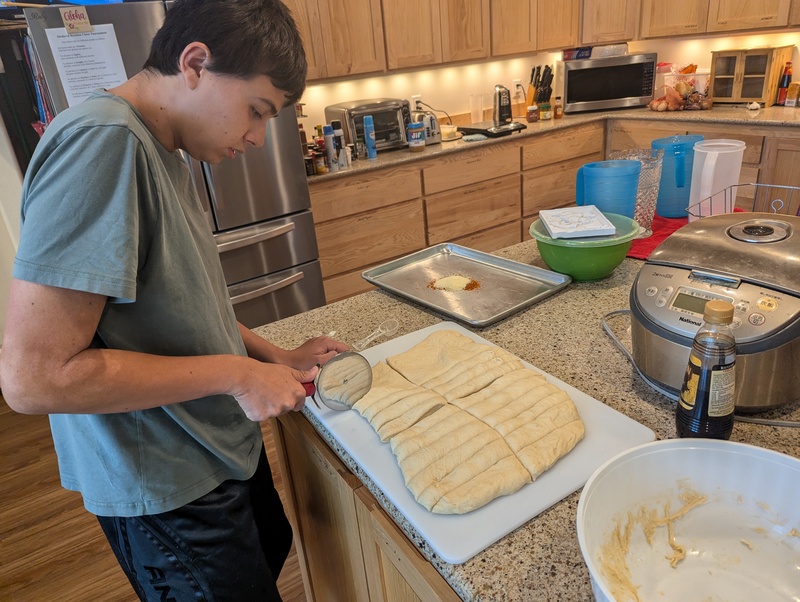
(391, 117)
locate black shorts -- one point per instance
(228, 545)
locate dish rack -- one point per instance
(766, 198)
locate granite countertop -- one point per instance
(719, 114)
(563, 336)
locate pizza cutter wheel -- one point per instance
(341, 382)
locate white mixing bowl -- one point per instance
(742, 543)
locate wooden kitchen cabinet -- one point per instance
(550, 163)
(734, 15)
(794, 13)
(747, 75)
(348, 548)
(676, 18)
(558, 24)
(781, 161)
(395, 570)
(341, 37)
(429, 32)
(513, 26)
(320, 495)
(606, 21)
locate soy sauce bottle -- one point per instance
(706, 404)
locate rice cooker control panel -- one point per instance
(674, 298)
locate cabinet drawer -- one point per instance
(355, 194)
(622, 135)
(346, 285)
(493, 238)
(563, 145)
(470, 167)
(469, 209)
(352, 242)
(552, 186)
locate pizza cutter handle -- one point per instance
(310, 389)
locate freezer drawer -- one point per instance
(277, 296)
(268, 247)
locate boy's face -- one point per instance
(228, 115)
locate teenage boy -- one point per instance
(119, 323)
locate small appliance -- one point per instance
(390, 117)
(433, 133)
(502, 105)
(615, 82)
(749, 259)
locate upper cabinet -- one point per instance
(341, 37)
(732, 15)
(675, 18)
(794, 13)
(428, 32)
(606, 21)
(514, 26)
(558, 24)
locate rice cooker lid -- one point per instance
(762, 248)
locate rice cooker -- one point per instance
(751, 260)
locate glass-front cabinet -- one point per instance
(748, 75)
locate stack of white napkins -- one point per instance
(576, 222)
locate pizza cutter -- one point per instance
(340, 383)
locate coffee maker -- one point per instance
(502, 105)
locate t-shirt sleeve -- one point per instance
(81, 220)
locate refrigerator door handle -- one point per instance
(255, 238)
(266, 290)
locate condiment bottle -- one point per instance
(532, 113)
(706, 403)
(558, 109)
(545, 112)
(416, 137)
(783, 84)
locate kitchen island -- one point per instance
(561, 335)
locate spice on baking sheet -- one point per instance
(454, 283)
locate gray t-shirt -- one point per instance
(107, 209)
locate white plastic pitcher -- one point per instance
(716, 168)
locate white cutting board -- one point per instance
(457, 538)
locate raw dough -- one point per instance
(467, 421)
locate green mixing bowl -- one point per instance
(589, 258)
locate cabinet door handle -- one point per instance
(266, 290)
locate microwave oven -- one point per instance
(391, 117)
(615, 82)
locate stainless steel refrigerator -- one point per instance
(258, 205)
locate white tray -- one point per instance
(457, 538)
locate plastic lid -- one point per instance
(532, 108)
(368, 120)
(416, 125)
(336, 124)
(627, 229)
(718, 311)
(326, 129)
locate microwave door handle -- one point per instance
(266, 290)
(255, 238)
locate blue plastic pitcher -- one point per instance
(609, 185)
(676, 174)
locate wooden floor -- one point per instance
(50, 547)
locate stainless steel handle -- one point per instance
(255, 238)
(266, 290)
(212, 188)
(713, 278)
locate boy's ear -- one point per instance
(194, 58)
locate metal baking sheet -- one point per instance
(505, 286)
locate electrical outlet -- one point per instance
(415, 100)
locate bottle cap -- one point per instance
(368, 120)
(718, 312)
(327, 129)
(336, 124)
(532, 107)
(416, 125)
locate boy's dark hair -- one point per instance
(246, 38)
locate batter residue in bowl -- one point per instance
(613, 560)
(454, 283)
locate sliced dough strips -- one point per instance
(467, 422)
